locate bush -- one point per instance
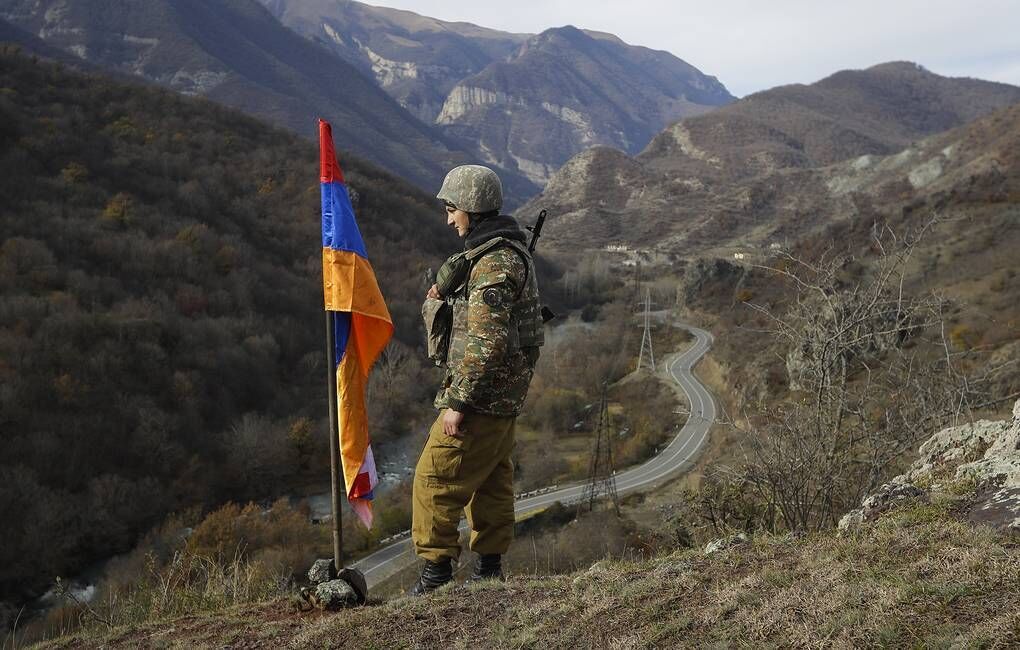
(281, 534)
(548, 546)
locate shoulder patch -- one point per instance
(492, 297)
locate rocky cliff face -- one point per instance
(522, 102)
(566, 89)
(416, 59)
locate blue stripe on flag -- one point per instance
(339, 229)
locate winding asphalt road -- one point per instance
(675, 458)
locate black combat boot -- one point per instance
(488, 567)
(433, 576)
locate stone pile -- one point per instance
(329, 591)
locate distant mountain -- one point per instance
(971, 172)
(715, 179)
(416, 59)
(235, 52)
(567, 89)
(879, 110)
(524, 102)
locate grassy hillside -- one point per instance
(916, 578)
(966, 177)
(160, 311)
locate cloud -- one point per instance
(752, 46)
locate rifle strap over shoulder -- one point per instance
(476, 253)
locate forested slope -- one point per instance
(236, 53)
(160, 310)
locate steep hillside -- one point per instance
(757, 169)
(236, 53)
(879, 110)
(523, 102)
(566, 89)
(161, 312)
(929, 560)
(416, 59)
(31, 44)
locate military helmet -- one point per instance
(472, 188)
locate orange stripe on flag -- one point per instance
(349, 284)
(352, 417)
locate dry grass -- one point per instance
(917, 578)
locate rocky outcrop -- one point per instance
(709, 275)
(416, 59)
(808, 362)
(463, 99)
(887, 497)
(985, 453)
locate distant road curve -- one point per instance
(677, 457)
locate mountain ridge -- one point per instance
(524, 102)
(726, 172)
(565, 90)
(237, 53)
(378, 40)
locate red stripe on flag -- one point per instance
(329, 168)
(362, 486)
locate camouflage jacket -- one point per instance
(488, 368)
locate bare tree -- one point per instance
(871, 374)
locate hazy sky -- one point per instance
(752, 46)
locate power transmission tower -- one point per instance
(601, 477)
(646, 338)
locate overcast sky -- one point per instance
(754, 45)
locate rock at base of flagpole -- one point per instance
(321, 571)
(335, 594)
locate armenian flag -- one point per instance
(361, 323)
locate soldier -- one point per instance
(494, 343)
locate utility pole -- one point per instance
(646, 338)
(601, 476)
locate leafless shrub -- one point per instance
(872, 373)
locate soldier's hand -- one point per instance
(451, 423)
(434, 292)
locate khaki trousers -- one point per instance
(472, 474)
